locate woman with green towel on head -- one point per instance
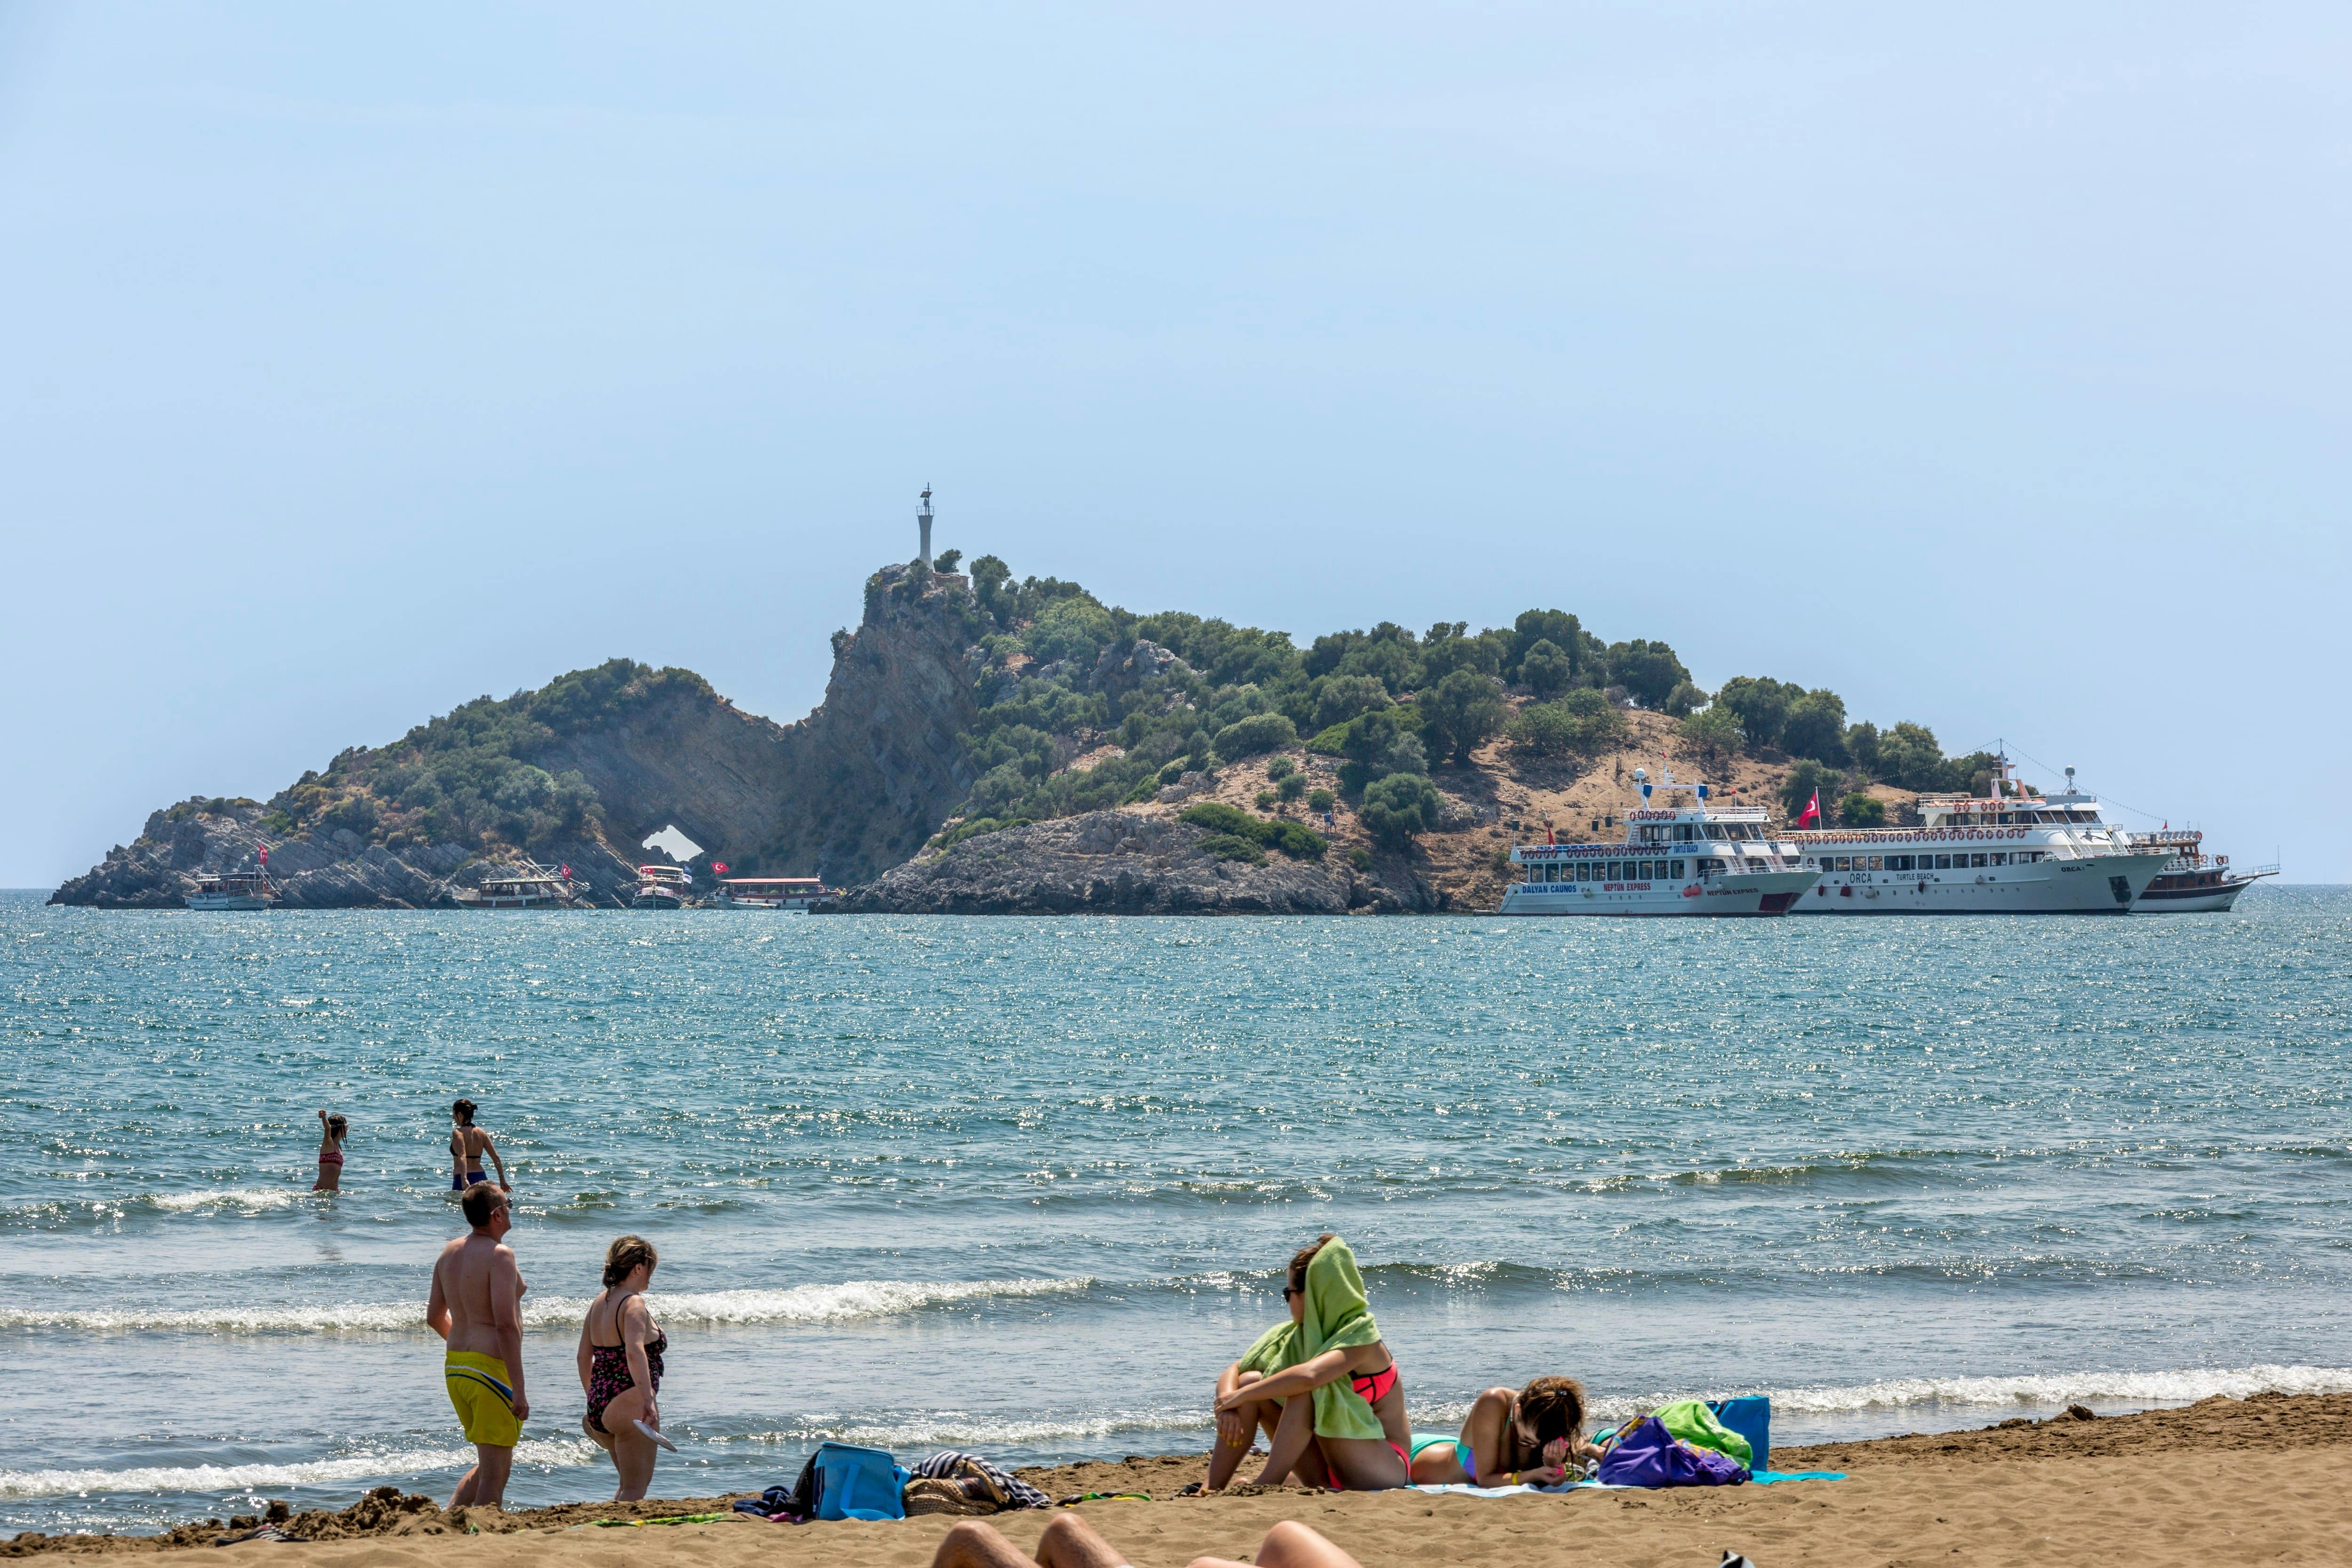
(1349, 1431)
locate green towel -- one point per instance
(1337, 1317)
(1695, 1424)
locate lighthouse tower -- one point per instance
(924, 519)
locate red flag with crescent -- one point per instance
(719, 867)
(1812, 810)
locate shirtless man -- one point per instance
(468, 1144)
(476, 1307)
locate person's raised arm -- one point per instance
(436, 1305)
(505, 1317)
(633, 1337)
(1307, 1376)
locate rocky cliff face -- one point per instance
(583, 771)
(1115, 862)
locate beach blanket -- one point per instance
(1695, 1424)
(1757, 1477)
(1337, 1317)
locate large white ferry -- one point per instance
(2006, 852)
(1705, 859)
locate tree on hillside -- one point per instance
(1582, 723)
(1546, 671)
(1816, 728)
(1558, 628)
(1862, 745)
(1909, 757)
(1760, 704)
(1860, 810)
(1682, 700)
(1649, 671)
(1340, 698)
(1461, 713)
(1713, 734)
(1398, 806)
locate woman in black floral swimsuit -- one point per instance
(621, 1366)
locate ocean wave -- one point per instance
(547, 1452)
(955, 1427)
(845, 1302)
(2182, 1386)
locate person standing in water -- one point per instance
(476, 1307)
(620, 1364)
(332, 1130)
(468, 1144)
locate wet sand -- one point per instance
(2267, 1479)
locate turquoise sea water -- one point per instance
(1024, 1185)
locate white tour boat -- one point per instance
(532, 887)
(2008, 853)
(1705, 859)
(2192, 881)
(790, 894)
(232, 891)
(661, 887)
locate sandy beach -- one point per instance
(2265, 1479)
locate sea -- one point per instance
(1025, 1186)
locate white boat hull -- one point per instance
(2097, 884)
(1764, 894)
(2191, 900)
(241, 903)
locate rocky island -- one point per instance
(993, 746)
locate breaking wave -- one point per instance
(306, 1473)
(845, 1302)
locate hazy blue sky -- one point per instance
(1987, 364)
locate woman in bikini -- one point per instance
(1510, 1438)
(468, 1144)
(1323, 1386)
(332, 1130)
(621, 1366)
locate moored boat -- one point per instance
(661, 887)
(2008, 852)
(239, 891)
(2192, 881)
(789, 894)
(531, 886)
(1705, 859)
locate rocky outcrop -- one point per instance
(339, 870)
(1115, 862)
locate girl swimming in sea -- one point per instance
(332, 1130)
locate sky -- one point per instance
(1988, 365)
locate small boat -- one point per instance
(786, 893)
(661, 887)
(2192, 881)
(232, 891)
(531, 887)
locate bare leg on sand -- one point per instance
(1070, 1542)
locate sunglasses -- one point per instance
(1288, 1291)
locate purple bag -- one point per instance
(1650, 1456)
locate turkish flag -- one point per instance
(719, 866)
(1812, 810)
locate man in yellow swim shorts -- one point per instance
(476, 1308)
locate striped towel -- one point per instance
(947, 1462)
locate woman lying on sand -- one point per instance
(1351, 1432)
(1070, 1542)
(1510, 1438)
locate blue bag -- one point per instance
(1751, 1417)
(857, 1483)
(1647, 1454)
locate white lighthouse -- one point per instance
(924, 519)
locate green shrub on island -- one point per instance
(1292, 838)
(1321, 800)
(1360, 859)
(1279, 769)
(1546, 671)
(1460, 713)
(1254, 736)
(1292, 786)
(1581, 724)
(975, 828)
(1649, 671)
(1713, 733)
(1860, 810)
(1398, 806)
(1232, 846)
